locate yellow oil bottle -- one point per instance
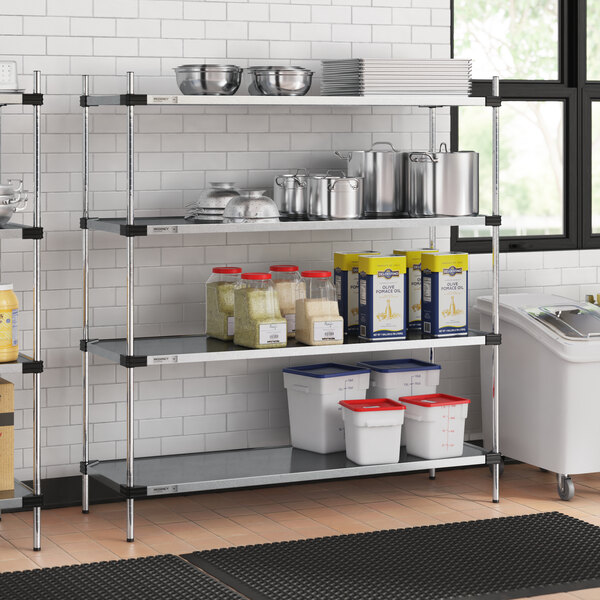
(9, 323)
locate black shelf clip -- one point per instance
(35, 366)
(33, 233)
(493, 220)
(493, 339)
(493, 458)
(83, 344)
(83, 466)
(132, 361)
(134, 99)
(33, 99)
(133, 230)
(493, 101)
(135, 491)
(33, 500)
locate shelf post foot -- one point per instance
(37, 528)
(431, 473)
(130, 513)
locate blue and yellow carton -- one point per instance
(382, 297)
(445, 293)
(413, 279)
(345, 278)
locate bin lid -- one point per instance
(326, 370)
(399, 365)
(433, 400)
(373, 405)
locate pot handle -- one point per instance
(354, 186)
(426, 155)
(299, 182)
(339, 154)
(443, 147)
(279, 181)
(19, 187)
(383, 144)
(333, 171)
(20, 202)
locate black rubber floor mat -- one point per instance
(495, 559)
(153, 578)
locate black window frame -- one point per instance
(577, 95)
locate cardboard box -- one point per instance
(7, 435)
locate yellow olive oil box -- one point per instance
(382, 297)
(444, 291)
(345, 278)
(7, 435)
(413, 276)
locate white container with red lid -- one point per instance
(435, 425)
(373, 430)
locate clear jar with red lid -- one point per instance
(220, 286)
(318, 321)
(286, 279)
(258, 320)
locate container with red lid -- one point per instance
(318, 321)
(373, 430)
(219, 290)
(258, 320)
(435, 425)
(286, 279)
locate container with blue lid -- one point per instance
(326, 370)
(397, 377)
(313, 393)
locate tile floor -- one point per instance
(198, 522)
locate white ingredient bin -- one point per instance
(373, 430)
(313, 393)
(401, 377)
(435, 425)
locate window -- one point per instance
(549, 120)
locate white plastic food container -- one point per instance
(313, 393)
(435, 425)
(401, 377)
(373, 430)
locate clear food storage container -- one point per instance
(286, 279)
(318, 321)
(219, 302)
(258, 321)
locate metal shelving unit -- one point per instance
(23, 496)
(241, 468)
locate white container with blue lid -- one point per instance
(313, 393)
(401, 377)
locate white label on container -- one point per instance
(387, 309)
(352, 296)
(414, 293)
(328, 331)
(272, 333)
(15, 327)
(363, 292)
(426, 289)
(291, 322)
(162, 360)
(230, 325)
(452, 298)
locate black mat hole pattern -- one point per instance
(165, 577)
(492, 558)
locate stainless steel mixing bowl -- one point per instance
(282, 81)
(208, 80)
(252, 206)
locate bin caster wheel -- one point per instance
(565, 487)
(491, 467)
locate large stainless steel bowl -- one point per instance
(208, 80)
(252, 206)
(282, 81)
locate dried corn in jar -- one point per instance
(258, 320)
(318, 321)
(220, 285)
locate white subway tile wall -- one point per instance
(187, 408)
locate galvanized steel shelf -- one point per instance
(23, 496)
(200, 349)
(185, 473)
(172, 225)
(220, 470)
(244, 100)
